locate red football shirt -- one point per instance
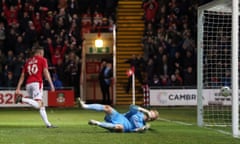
(33, 69)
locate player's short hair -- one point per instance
(37, 49)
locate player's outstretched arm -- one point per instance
(49, 79)
(20, 82)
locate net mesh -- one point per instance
(217, 65)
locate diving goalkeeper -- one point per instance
(132, 121)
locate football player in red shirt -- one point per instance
(34, 69)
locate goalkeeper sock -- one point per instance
(31, 102)
(106, 125)
(44, 116)
(97, 107)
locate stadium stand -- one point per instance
(161, 33)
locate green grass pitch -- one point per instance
(176, 126)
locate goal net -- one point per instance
(215, 65)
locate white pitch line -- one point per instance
(188, 124)
(178, 122)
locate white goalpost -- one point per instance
(218, 49)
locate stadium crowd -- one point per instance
(169, 40)
(168, 43)
(55, 25)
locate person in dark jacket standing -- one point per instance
(101, 76)
(108, 74)
(105, 81)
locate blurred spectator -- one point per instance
(10, 40)
(49, 18)
(17, 65)
(30, 35)
(161, 14)
(2, 35)
(2, 65)
(47, 31)
(60, 71)
(172, 48)
(136, 62)
(56, 82)
(226, 80)
(107, 74)
(24, 20)
(86, 21)
(97, 18)
(189, 60)
(10, 58)
(161, 43)
(61, 20)
(11, 12)
(37, 22)
(150, 70)
(97, 5)
(224, 57)
(164, 70)
(72, 71)
(184, 5)
(177, 62)
(74, 28)
(189, 77)
(20, 47)
(150, 30)
(173, 7)
(62, 4)
(149, 47)
(9, 80)
(155, 81)
(73, 6)
(161, 51)
(110, 9)
(188, 42)
(176, 79)
(150, 9)
(110, 24)
(58, 52)
(105, 25)
(101, 76)
(172, 21)
(84, 5)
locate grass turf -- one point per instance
(24, 126)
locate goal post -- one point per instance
(235, 51)
(217, 48)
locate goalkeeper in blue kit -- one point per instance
(132, 121)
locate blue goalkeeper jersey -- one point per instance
(118, 118)
(135, 117)
(137, 120)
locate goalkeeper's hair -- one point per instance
(156, 114)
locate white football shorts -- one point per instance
(35, 90)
